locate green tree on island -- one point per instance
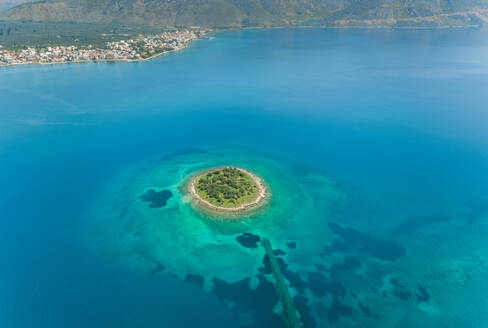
(228, 187)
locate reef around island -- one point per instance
(145, 219)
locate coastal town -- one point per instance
(135, 49)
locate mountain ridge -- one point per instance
(258, 13)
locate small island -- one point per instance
(228, 189)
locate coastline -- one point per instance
(263, 193)
(113, 60)
(95, 61)
(358, 24)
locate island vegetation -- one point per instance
(228, 187)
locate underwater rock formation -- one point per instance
(248, 240)
(155, 198)
(352, 240)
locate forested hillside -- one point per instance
(244, 13)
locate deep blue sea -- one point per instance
(397, 119)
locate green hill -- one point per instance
(244, 13)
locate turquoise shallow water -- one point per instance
(374, 145)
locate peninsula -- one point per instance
(228, 189)
(134, 49)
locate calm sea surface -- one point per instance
(397, 119)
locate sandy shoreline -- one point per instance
(263, 192)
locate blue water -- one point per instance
(398, 118)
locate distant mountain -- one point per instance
(252, 13)
(7, 4)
